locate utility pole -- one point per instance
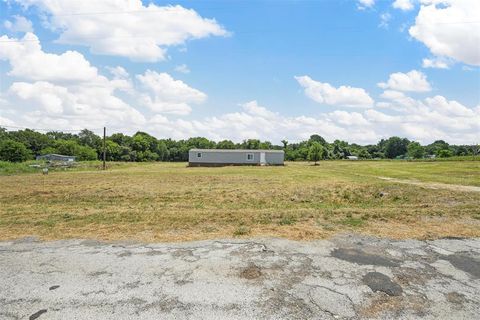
(104, 148)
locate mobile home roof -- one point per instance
(236, 150)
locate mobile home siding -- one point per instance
(216, 157)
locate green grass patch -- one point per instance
(353, 222)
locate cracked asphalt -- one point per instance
(346, 277)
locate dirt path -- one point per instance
(434, 185)
(347, 277)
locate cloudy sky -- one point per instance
(357, 70)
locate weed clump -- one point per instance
(287, 220)
(241, 231)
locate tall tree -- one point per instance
(317, 138)
(415, 150)
(252, 144)
(89, 139)
(315, 152)
(395, 147)
(225, 144)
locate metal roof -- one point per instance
(55, 155)
(236, 150)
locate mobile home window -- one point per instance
(249, 156)
(199, 155)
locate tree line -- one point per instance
(22, 145)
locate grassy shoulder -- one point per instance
(170, 202)
(464, 172)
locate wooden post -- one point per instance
(104, 148)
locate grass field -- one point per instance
(169, 202)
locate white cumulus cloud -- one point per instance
(182, 68)
(65, 91)
(437, 63)
(450, 28)
(256, 121)
(323, 92)
(166, 95)
(29, 61)
(411, 81)
(363, 4)
(126, 28)
(404, 5)
(80, 106)
(19, 24)
(421, 120)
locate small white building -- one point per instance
(234, 157)
(352, 157)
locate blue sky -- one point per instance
(236, 77)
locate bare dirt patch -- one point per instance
(251, 272)
(434, 185)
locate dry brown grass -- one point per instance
(169, 202)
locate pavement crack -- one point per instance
(37, 314)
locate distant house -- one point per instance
(56, 157)
(226, 157)
(352, 157)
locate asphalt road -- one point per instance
(348, 277)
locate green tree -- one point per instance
(252, 144)
(317, 138)
(35, 141)
(66, 147)
(315, 152)
(58, 135)
(415, 150)
(445, 153)
(225, 144)
(200, 143)
(114, 150)
(285, 144)
(436, 146)
(121, 139)
(476, 150)
(395, 147)
(127, 154)
(364, 154)
(146, 156)
(162, 151)
(340, 149)
(48, 150)
(90, 139)
(85, 153)
(13, 151)
(72, 148)
(265, 145)
(140, 142)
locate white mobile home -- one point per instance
(237, 157)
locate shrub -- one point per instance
(14, 151)
(445, 153)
